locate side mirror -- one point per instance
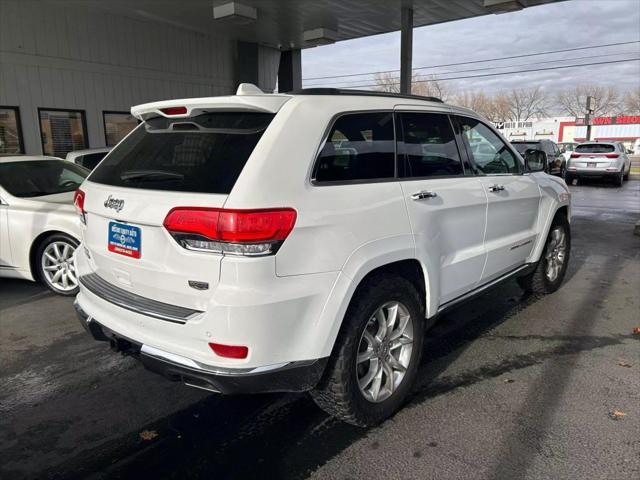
(535, 160)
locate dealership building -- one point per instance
(70, 70)
(622, 128)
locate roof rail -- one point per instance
(364, 93)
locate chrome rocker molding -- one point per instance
(469, 295)
(136, 303)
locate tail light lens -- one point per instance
(612, 155)
(78, 202)
(575, 155)
(235, 232)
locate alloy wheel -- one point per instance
(58, 266)
(556, 253)
(384, 351)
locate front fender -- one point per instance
(554, 195)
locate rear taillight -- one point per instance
(575, 155)
(235, 232)
(612, 155)
(78, 202)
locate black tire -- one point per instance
(537, 281)
(568, 179)
(626, 175)
(38, 263)
(338, 392)
(619, 179)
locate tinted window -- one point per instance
(91, 160)
(522, 147)
(10, 133)
(62, 131)
(117, 125)
(41, 177)
(360, 146)
(202, 154)
(428, 147)
(490, 154)
(595, 148)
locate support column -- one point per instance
(406, 49)
(247, 63)
(290, 71)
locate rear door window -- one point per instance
(595, 148)
(201, 154)
(359, 146)
(428, 147)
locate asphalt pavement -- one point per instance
(511, 386)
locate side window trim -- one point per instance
(516, 155)
(325, 138)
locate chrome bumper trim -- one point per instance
(136, 303)
(193, 365)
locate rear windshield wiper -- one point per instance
(150, 176)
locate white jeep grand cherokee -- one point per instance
(272, 242)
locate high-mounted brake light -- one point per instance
(236, 232)
(229, 351)
(78, 202)
(174, 110)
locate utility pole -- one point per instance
(591, 106)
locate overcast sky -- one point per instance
(574, 23)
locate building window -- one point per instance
(10, 131)
(117, 125)
(62, 131)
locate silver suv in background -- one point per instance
(599, 160)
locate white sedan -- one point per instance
(39, 228)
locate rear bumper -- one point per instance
(285, 377)
(592, 173)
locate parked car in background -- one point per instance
(88, 158)
(39, 229)
(566, 148)
(599, 160)
(557, 163)
(213, 268)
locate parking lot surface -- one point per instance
(511, 386)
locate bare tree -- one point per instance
(632, 101)
(525, 104)
(427, 86)
(573, 102)
(476, 101)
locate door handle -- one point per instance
(496, 188)
(424, 194)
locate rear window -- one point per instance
(523, 147)
(35, 178)
(595, 148)
(200, 154)
(91, 160)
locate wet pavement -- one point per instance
(510, 387)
